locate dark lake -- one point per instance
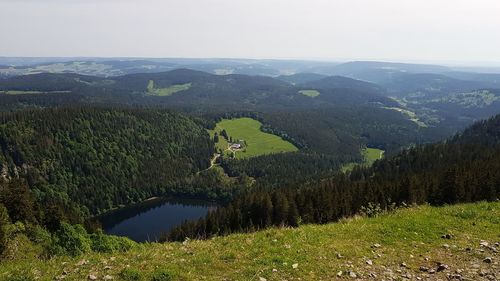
(146, 221)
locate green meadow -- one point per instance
(309, 93)
(370, 155)
(168, 91)
(257, 142)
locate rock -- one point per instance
(376, 245)
(406, 276)
(446, 236)
(275, 270)
(446, 246)
(339, 256)
(488, 260)
(442, 267)
(295, 265)
(107, 267)
(431, 271)
(424, 269)
(403, 264)
(262, 279)
(352, 274)
(108, 277)
(484, 243)
(92, 277)
(369, 262)
(340, 273)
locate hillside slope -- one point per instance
(407, 244)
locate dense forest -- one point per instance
(462, 169)
(94, 159)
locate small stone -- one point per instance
(107, 267)
(403, 264)
(262, 279)
(424, 269)
(446, 246)
(432, 271)
(442, 267)
(406, 276)
(339, 256)
(295, 265)
(369, 262)
(340, 273)
(484, 243)
(488, 260)
(352, 274)
(92, 277)
(108, 277)
(376, 245)
(275, 270)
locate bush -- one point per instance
(4, 222)
(72, 240)
(131, 274)
(107, 244)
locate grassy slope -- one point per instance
(412, 236)
(309, 93)
(168, 91)
(370, 155)
(258, 142)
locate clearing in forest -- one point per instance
(247, 138)
(168, 91)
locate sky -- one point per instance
(398, 30)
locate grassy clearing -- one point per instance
(370, 155)
(15, 92)
(164, 92)
(309, 93)
(257, 142)
(310, 252)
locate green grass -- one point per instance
(309, 93)
(168, 91)
(370, 155)
(258, 142)
(15, 92)
(412, 236)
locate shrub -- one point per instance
(131, 274)
(106, 243)
(4, 222)
(72, 240)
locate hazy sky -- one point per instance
(420, 30)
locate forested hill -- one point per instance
(459, 170)
(92, 159)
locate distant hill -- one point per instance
(301, 78)
(431, 84)
(374, 71)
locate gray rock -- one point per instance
(488, 260)
(424, 269)
(442, 267)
